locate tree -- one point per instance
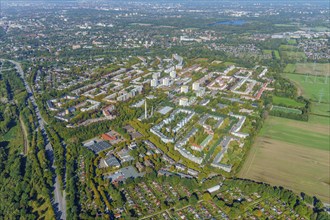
(193, 199)
(207, 196)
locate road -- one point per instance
(59, 202)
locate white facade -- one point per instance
(166, 81)
(184, 101)
(184, 89)
(154, 82)
(173, 74)
(195, 86)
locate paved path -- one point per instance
(59, 200)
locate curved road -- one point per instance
(59, 202)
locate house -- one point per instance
(125, 156)
(139, 166)
(213, 189)
(192, 172)
(180, 166)
(112, 161)
(109, 112)
(129, 129)
(108, 137)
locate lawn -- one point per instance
(291, 154)
(313, 87)
(277, 100)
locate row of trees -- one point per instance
(27, 180)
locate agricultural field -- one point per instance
(277, 100)
(312, 87)
(291, 154)
(321, 69)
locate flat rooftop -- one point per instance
(124, 173)
(165, 110)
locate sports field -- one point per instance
(291, 154)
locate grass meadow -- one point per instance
(312, 87)
(277, 100)
(321, 69)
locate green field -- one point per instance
(277, 100)
(315, 119)
(277, 54)
(308, 68)
(291, 154)
(320, 28)
(280, 129)
(321, 109)
(292, 42)
(290, 68)
(15, 139)
(313, 68)
(284, 25)
(312, 87)
(287, 55)
(288, 47)
(286, 110)
(267, 51)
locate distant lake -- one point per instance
(229, 22)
